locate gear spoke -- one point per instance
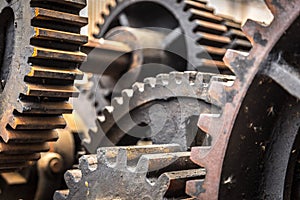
(285, 75)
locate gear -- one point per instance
(39, 63)
(150, 172)
(140, 42)
(254, 152)
(191, 18)
(118, 56)
(90, 94)
(178, 97)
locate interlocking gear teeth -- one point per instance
(254, 32)
(188, 87)
(213, 34)
(238, 69)
(206, 120)
(214, 91)
(154, 172)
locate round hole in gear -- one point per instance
(7, 35)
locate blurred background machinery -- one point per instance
(241, 10)
(143, 126)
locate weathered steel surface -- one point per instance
(181, 97)
(39, 63)
(241, 162)
(128, 173)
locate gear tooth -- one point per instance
(121, 162)
(114, 3)
(84, 164)
(184, 78)
(199, 155)
(138, 87)
(117, 101)
(194, 188)
(127, 94)
(162, 79)
(205, 121)
(199, 80)
(177, 76)
(93, 134)
(101, 156)
(72, 177)
(217, 93)
(107, 110)
(61, 195)
(189, 75)
(236, 67)
(142, 165)
(106, 115)
(163, 180)
(255, 31)
(150, 82)
(212, 125)
(87, 163)
(101, 118)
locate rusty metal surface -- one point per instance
(151, 172)
(39, 181)
(41, 63)
(235, 154)
(121, 51)
(167, 106)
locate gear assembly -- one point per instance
(156, 99)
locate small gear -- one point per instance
(149, 172)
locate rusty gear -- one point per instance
(145, 172)
(178, 97)
(39, 63)
(254, 153)
(195, 22)
(191, 18)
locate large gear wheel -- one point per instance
(254, 152)
(39, 60)
(164, 110)
(145, 172)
